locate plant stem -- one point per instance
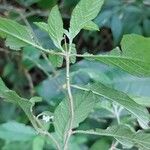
(45, 133)
(70, 97)
(30, 82)
(116, 113)
(114, 145)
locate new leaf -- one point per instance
(55, 26)
(83, 13)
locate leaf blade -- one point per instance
(139, 139)
(134, 57)
(17, 36)
(55, 26)
(81, 100)
(121, 98)
(82, 14)
(21, 132)
(13, 97)
(91, 26)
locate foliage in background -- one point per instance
(125, 17)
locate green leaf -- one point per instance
(17, 36)
(122, 99)
(38, 143)
(103, 144)
(2, 86)
(56, 60)
(91, 26)
(18, 145)
(42, 25)
(134, 58)
(13, 97)
(2, 35)
(124, 133)
(31, 57)
(144, 101)
(55, 26)
(146, 25)
(129, 84)
(35, 99)
(83, 13)
(84, 102)
(27, 3)
(14, 131)
(47, 4)
(116, 27)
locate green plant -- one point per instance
(79, 100)
(128, 17)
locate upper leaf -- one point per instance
(55, 26)
(134, 58)
(84, 12)
(91, 26)
(17, 36)
(84, 102)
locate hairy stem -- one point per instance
(117, 111)
(70, 97)
(46, 133)
(114, 145)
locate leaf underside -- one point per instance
(140, 112)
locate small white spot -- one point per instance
(47, 118)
